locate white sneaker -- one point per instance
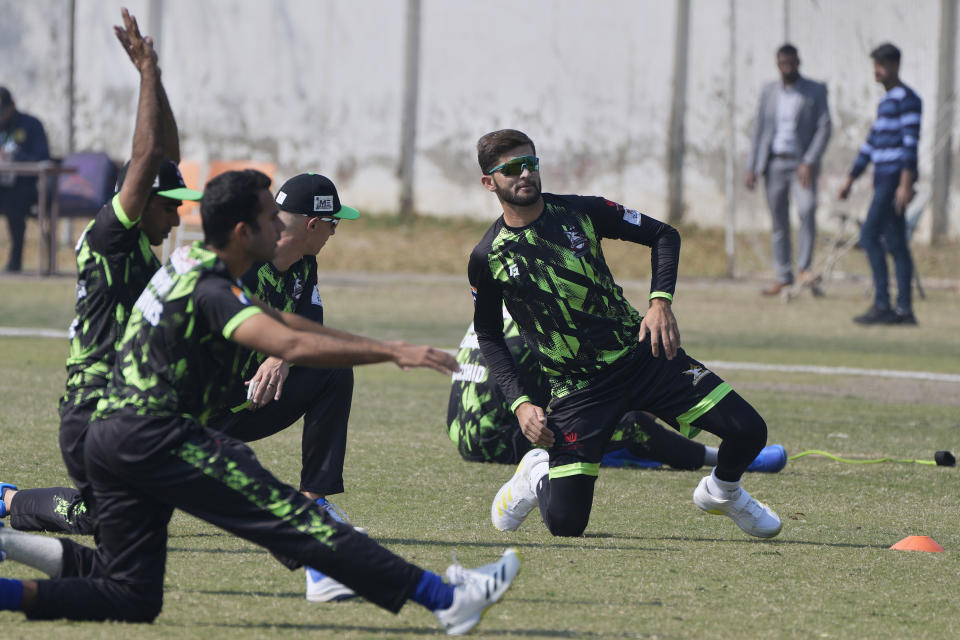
(517, 497)
(475, 590)
(752, 516)
(320, 586)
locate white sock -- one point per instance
(39, 552)
(710, 456)
(721, 488)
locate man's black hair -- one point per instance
(787, 49)
(886, 54)
(231, 197)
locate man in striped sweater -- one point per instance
(892, 147)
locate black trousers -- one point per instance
(682, 392)
(15, 203)
(321, 396)
(62, 509)
(142, 468)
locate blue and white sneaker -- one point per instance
(4, 486)
(475, 590)
(320, 586)
(771, 459)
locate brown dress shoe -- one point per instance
(775, 288)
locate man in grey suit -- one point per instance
(789, 138)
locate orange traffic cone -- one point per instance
(918, 543)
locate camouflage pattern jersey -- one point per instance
(176, 358)
(553, 279)
(114, 264)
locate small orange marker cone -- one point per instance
(918, 543)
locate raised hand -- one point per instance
(139, 48)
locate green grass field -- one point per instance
(651, 564)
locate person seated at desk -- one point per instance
(22, 139)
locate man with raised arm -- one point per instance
(149, 450)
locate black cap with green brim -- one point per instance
(311, 194)
(167, 183)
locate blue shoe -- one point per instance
(623, 458)
(3, 489)
(320, 586)
(771, 459)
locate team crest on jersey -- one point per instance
(297, 288)
(697, 373)
(578, 242)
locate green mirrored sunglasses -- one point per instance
(514, 166)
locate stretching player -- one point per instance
(114, 264)
(542, 259)
(483, 428)
(277, 397)
(149, 452)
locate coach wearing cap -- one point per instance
(276, 395)
(22, 139)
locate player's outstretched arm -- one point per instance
(147, 152)
(265, 334)
(301, 323)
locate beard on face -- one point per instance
(508, 196)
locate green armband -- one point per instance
(519, 401)
(661, 294)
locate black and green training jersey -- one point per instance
(114, 264)
(554, 281)
(176, 358)
(477, 413)
(293, 290)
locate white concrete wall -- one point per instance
(317, 85)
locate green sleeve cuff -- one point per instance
(519, 401)
(239, 319)
(121, 214)
(661, 294)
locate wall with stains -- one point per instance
(317, 85)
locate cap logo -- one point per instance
(281, 197)
(323, 203)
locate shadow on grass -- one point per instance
(770, 541)
(562, 543)
(411, 631)
(298, 595)
(556, 543)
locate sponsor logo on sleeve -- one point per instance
(632, 216)
(473, 292)
(315, 298)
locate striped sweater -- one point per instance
(892, 143)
